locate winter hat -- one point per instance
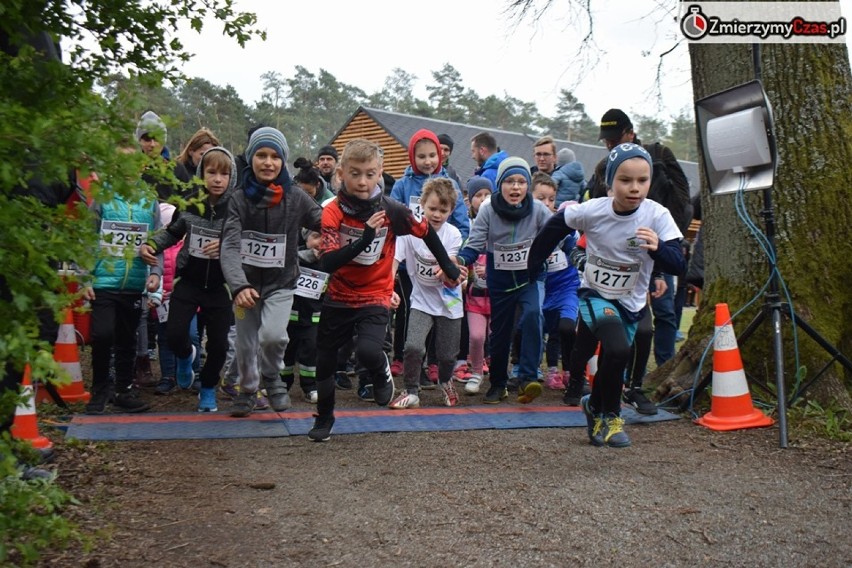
(624, 152)
(512, 166)
(328, 150)
(232, 182)
(565, 156)
(613, 124)
(446, 140)
(477, 183)
(267, 137)
(153, 126)
(424, 134)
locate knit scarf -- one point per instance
(511, 212)
(361, 209)
(265, 196)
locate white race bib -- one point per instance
(415, 207)
(512, 256)
(349, 235)
(117, 236)
(611, 279)
(200, 237)
(262, 250)
(311, 283)
(557, 261)
(425, 269)
(163, 312)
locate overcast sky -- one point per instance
(361, 42)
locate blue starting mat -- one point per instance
(269, 424)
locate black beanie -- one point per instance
(328, 151)
(445, 139)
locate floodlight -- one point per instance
(735, 130)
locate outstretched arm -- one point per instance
(545, 242)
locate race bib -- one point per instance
(425, 269)
(163, 312)
(311, 283)
(116, 236)
(512, 256)
(611, 279)
(557, 261)
(370, 255)
(262, 250)
(415, 207)
(200, 237)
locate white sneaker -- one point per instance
(311, 397)
(472, 386)
(405, 400)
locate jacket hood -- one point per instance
(573, 171)
(424, 134)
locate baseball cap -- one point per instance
(613, 124)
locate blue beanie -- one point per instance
(476, 183)
(625, 152)
(512, 166)
(267, 137)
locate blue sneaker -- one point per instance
(207, 400)
(184, 373)
(614, 434)
(365, 393)
(594, 423)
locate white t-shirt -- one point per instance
(616, 267)
(429, 295)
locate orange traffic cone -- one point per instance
(731, 407)
(65, 353)
(592, 366)
(25, 426)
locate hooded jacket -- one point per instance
(489, 168)
(571, 182)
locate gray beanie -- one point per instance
(153, 126)
(267, 137)
(565, 156)
(199, 170)
(511, 166)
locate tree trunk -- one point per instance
(810, 90)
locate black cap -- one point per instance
(445, 139)
(613, 124)
(328, 151)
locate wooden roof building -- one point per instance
(392, 131)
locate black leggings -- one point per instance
(615, 351)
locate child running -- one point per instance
(626, 234)
(199, 282)
(433, 305)
(359, 230)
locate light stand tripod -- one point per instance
(773, 307)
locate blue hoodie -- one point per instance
(411, 185)
(571, 182)
(489, 168)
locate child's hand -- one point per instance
(660, 287)
(153, 283)
(394, 303)
(246, 298)
(652, 240)
(377, 219)
(146, 252)
(88, 293)
(479, 269)
(211, 249)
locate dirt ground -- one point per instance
(681, 496)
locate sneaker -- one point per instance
(432, 373)
(342, 381)
(311, 397)
(573, 393)
(679, 336)
(495, 395)
(207, 400)
(513, 384)
(229, 391)
(396, 368)
(553, 381)
(365, 393)
(97, 404)
(323, 425)
(614, 434)
(129, 401)
(144, 375)
(244, 404)
(405, 400)
(383, 388)
(594, 423)
(462, 373)
(472, 386)
(637, 399)
(515, 370)
(539, 375)
(529, 391)
(451, 396)
(184, 373)
(277, 393)
(425, 382)
(167, 385)
(261, 402)
(485, 365)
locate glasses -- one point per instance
(543, 155)
(516, 183)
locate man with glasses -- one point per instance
(544, 152)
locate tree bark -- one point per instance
(810, 90)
